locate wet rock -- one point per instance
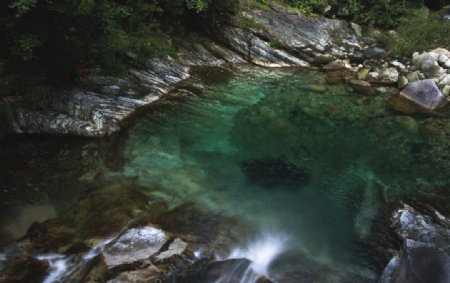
(418, 262)
(362, 86)
(424, 256)
(274, 173)
(420, 96)
(134, 245)
(104, 211)
(411, 224)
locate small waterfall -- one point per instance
(62, 266)
(59, 265)
(261, 253)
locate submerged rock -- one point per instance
(274, 173)
(362, 86)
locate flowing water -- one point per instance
(357, 155)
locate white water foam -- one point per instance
(58, 266)
(62, 265)
(261, 252)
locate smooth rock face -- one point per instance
(95, 114)
(274, 173)
(306, 36)
(258, 51)
(425, 94)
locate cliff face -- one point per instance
(282, 39)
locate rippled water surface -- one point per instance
(356, 152)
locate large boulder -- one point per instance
(419, 263)
(420, 96)
(316, 40)
(424, 256)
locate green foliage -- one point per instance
(307, 6)
(418, 32)
(22, 6)
(249, 22)
(197, 5)
(383, 13)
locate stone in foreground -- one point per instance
(420, 96)
(419, 262)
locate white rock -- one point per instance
(398, 64)
(442, 58)
(447, 64)
(441, 51)
(389, 76)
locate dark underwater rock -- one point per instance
(227, 271)
(274, 173)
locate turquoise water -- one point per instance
(357, 153)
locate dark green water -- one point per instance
(356, 151)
